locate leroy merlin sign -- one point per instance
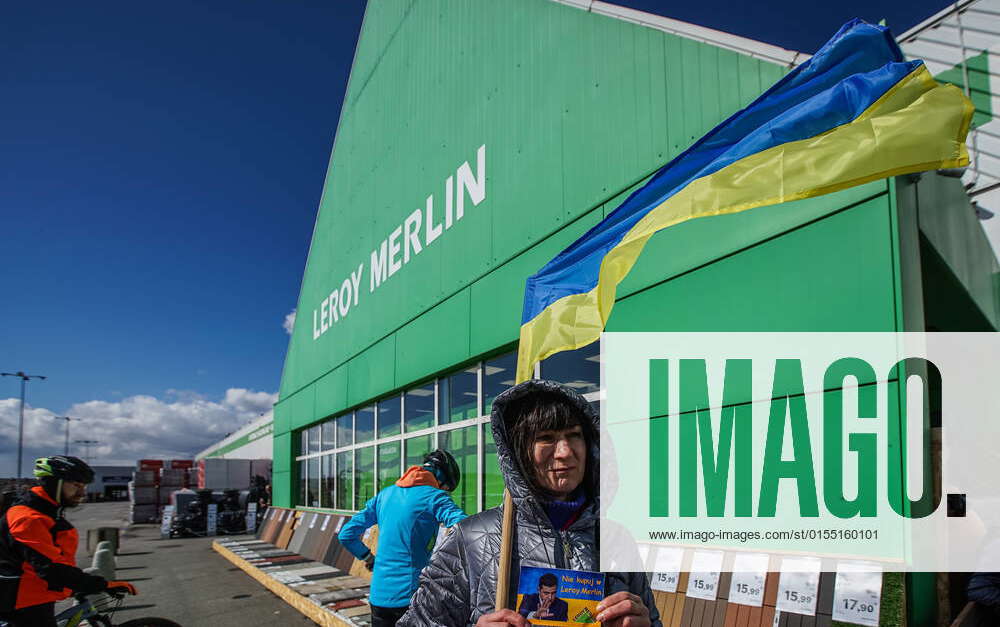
(879, 446)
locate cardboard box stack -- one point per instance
(171, 480)
(185, 466)
(142, 492)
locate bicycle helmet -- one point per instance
(63, 468)
(444, 467)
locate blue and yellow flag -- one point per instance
(855, 112)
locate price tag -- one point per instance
(703, 582)
(857, 593)
(798, 585)
(666, 569)
(213, 511)
(326, 521)
(251, 517)
(312, 523)
(167, 521)
(749, 573)
(644, 556)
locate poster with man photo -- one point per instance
(551, 596)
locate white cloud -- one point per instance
(289, 322)
(136, 427)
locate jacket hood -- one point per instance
(517, 484)
(417, 475)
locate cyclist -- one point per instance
(38, 546)
(407, 515)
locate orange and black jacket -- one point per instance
(38, 554)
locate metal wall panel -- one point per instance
(331, 392)
(835, 274)
(573, 109)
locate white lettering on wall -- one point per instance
(433, 230)
(411, 228)
(385, 260)
(379, 267)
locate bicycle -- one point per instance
(97, 610)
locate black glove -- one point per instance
(370, 561)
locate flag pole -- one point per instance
(506, 540)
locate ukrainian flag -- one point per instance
(855, 112)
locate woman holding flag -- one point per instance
(547, 439)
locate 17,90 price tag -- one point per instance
(798, 585)
(857, 593)
(703, 582)
(749, 573)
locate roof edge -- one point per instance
(720, 39)
(932, 21)
(245, 430)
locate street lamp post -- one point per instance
(86, 444)
(67, 419)
(20, 425)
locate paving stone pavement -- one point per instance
(182, 579)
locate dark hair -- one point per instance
(548, 579)
(543, 411)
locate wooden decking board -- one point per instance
(721, 610)
(771, 589)
(679, 605)
(743, 615)
(287, 594)
(824, 600)
(732, 615)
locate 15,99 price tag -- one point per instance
(798, 585)
(857, 593)
(667, 570)
(749, 573)
(703, 582)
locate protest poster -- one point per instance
(552, 596)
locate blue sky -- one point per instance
(159, 177)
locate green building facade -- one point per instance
(479, 138)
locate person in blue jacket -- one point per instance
(407, 514)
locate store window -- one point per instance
(579, 369)
(459, 396)
(389, 459)
(416, 448)
(364, 476)
(498, 375)
(419, 407)
(364, 424)
(345, 429)
(314, 439)
(345, 480)
(327, 483)
(461, 443)
(328, 435)
(312, 496)
(389, 414)
(303, 480)
(492, 479)
(304, 444)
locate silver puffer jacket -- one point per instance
(459, 584)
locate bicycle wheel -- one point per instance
(149, 622)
